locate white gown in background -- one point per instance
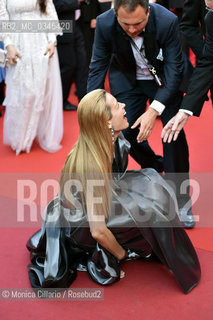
(33, 93)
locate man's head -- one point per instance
(132, 15)
(209, 4)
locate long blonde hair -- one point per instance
(91, 157)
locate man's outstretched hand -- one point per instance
(146, 122)
(174, 126)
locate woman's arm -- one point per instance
(102, 234)
(12, 53)
(4, 15)
(107, 240)
(51, 14)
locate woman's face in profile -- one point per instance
(119, 121)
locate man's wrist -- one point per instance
(157, 106)
(188, 112)
(153, 112)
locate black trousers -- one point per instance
(1, 92)
(73, 65)
(88, 34)
(176, 154)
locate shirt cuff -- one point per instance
(190, 113)
(158, 106)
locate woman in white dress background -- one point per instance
(33, 85)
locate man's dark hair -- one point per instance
(131, 5)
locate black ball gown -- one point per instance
(143, 219)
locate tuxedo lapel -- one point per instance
(150, 43)
(124, 49)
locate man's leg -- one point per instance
(176, 164)
(176, 155)
(81, 64)
(1, 94)
(135, 102)
(67, 61)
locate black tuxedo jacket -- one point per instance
(202, 78)
(89, 11)
(192, 24)
(112, 50)
(66, 11)
(171, 3)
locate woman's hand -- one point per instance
(50, 49)
(12, 54)
(124, 255)
(107, 240)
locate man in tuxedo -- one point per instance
(154, 30)
(72, 53)
(176, 6)
(2, 83)
(199, 85)
(192, 25)
(90, 9)
(170, 3)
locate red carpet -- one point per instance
(148, 291)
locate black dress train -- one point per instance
(143, 219)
